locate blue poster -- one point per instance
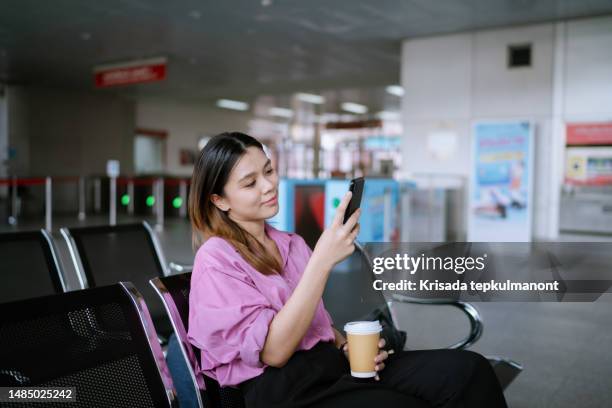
(501, 182)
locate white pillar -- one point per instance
(112, 209)
(159, 203)
(81, 192)
(183, 195)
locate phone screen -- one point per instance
(356, 188)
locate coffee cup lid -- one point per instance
(363, 327)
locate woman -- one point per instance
(256, 310)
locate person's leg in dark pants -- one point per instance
(444, 378)
(369, 397)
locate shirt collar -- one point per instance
(282, 239)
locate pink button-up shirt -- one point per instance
(231, 306)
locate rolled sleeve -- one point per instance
(228, 320)
(255, 337)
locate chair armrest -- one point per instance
(180, 268)
(476, 325)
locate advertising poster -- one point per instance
(500, 201)
(588, 166)
(301, 208)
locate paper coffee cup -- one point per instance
(363, 337)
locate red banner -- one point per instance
(595, 133)
(134, 72)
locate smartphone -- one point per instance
(356, 188)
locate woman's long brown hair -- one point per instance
(210, 175)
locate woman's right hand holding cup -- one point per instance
(337, 241)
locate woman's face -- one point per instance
(250, 193)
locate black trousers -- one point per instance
(321, 378)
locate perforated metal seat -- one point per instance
(104, 255)
(100, 341)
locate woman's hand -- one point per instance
(380, 358)
(337, 241)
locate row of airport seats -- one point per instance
(116, 322)
(96, 338)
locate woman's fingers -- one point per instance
(379, 364)
(382, 356)
(339, 217)
(352, 221)
(353, 235)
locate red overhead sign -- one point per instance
(594, 133)
(133, 72)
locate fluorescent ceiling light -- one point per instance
(234, 105)
(311, 98)
(395, 90)
(282, 112)
(354, 107)
(388, 115)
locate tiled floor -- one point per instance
(564, 347)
